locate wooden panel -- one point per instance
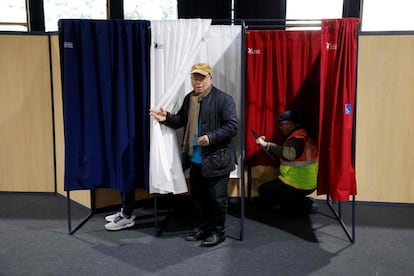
(26, 134)
(110, 197)
(385, 133)
(58, 112)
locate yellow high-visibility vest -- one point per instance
(302, 172)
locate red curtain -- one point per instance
(336, 176)
(282, 72)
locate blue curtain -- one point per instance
(105, 84)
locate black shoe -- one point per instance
(213, 240)
(314, 208)
(197, 236)
(311, 206)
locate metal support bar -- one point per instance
(85, 219)
(242, 210)
(156, 215)
(249, 183)
(93, 211)
(338, 215)
(160, 229)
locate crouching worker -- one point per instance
(298, 169)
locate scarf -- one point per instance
(192, 120)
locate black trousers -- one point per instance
(276, 192)
(128, 201)
(209, 195)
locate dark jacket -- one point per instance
(220, 124)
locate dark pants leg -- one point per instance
(210, 198)
(128, 200)
(275, 192)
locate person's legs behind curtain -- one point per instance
(125, 218)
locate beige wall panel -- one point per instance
(26, 135)
(234, 187)
(259, 175)
(385, 133)
(110, 197)
(58, 113)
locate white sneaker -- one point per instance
(111, 218)
(120, 223)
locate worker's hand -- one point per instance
(261, 141)
(203, 141)
(158, 114)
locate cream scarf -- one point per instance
(192, 119)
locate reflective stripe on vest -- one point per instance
(302, 172)
(308, 156)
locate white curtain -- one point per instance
(224, 53)
(174, 46)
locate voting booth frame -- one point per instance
(332, 181)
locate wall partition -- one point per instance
(105, 106)
(313, 73)
(176, 46)
(106, 98)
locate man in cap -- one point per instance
(210, 121)
(298, 168)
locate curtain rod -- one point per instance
(271, 23)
